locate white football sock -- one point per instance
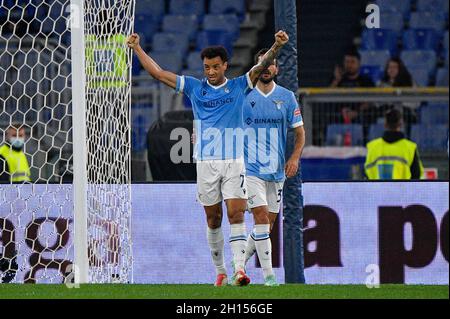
(250, 250)
(216, 244)
(238, 243)
(264, 248)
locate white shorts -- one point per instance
(219, 180)
(264, 193)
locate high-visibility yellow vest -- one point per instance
(390, 160)
(106, 61)
(17, 164)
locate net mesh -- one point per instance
(36, 194)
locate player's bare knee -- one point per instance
(260, 215)
(214, 222)
(236, 216)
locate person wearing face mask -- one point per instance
(14, 165)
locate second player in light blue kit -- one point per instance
(269, 111)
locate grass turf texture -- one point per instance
(289, 291)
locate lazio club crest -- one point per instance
(278, 104)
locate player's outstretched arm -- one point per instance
(292, 164)
(166, 77)
(281, 38)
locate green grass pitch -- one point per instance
(288, 291)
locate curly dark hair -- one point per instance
(403, 77)
(214, 52)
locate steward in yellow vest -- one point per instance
(14, 166)
(393, 156)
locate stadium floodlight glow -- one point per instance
(65, 75)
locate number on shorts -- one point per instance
(242, 180)
(280, 192)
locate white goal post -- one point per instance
(65, 83)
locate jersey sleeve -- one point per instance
(295, 115)
(187, 84)
(245, 83)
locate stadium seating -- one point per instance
(336, 134)
(442, 77)
(375, 131)
(420, 39)
(420, 75)
(419, 58)
(226, 22)
(397, 6)
(392, 21)
(427, 20)
(375, 57)
(215, 37)
(188, 7)
(430, 137)
(146, 25)
(181, 23)
(432, 5)
(375, 72)
(198, 74)
(155, 8)
(141, 120)
(194, 61)
(434, 114)
(445, 42)
(380, 39)
(226, 7)
(171, 61)
(170, 42)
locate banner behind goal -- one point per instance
(65, 83)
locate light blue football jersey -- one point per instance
(218, 112)
(267, 119)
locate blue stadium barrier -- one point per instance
(186, 24)
(428, 20)
(375, 57)
(380, 39)
(420, 39)
(430, 137)
(170, 42)
(336, 134)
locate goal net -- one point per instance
(65, 141)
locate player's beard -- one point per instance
(266, 80)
